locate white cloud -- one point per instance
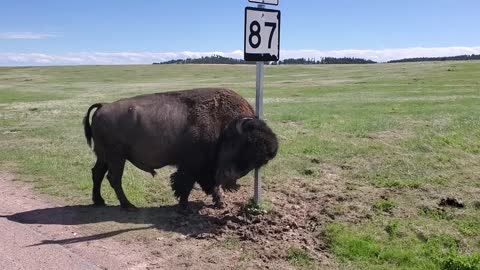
(24, 35)
(103, 58)
(117, 58)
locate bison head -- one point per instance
(244, 145)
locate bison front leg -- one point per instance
(115, 173)
(182, 184)
(217, 195)
(208, 185)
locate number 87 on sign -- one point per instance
(262, 34)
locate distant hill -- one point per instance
(444, 58)
(214, 59)
(217, 59)
(325, 60)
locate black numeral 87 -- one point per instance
(256, 33)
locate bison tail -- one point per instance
(86, 123)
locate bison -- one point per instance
(210, 135)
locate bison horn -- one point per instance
(240, 124)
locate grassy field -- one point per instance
(397, 138)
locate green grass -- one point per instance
(435, 213)
(372, 249)
(254, 209)
(409, 130)
(461, 262)
(384, 205)
(299, 257)
(10, 96)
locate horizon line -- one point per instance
(149, 57)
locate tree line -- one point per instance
(444, 58)
(218, 59)
(325, 60)
(214, 59)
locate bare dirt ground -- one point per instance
(208, 238)
(45, 233)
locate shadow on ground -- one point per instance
(165, 218)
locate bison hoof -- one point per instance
(129, 207)
(220, 205)
(99, 203)
(185, 211)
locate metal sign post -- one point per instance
(257, 193)
(261, 43)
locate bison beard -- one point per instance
(210, 135)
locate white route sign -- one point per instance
(262, 34)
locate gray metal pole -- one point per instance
(257, 193)
(259, 94)
(259, 113)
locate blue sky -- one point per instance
(114, 32)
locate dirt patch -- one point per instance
(230, 238)
(270, 235)
(233, 238)
(295, 218)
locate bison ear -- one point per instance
(240, 123)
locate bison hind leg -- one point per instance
(182, 184)
(98, 173)
(114, 176)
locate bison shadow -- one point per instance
(165, 218)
